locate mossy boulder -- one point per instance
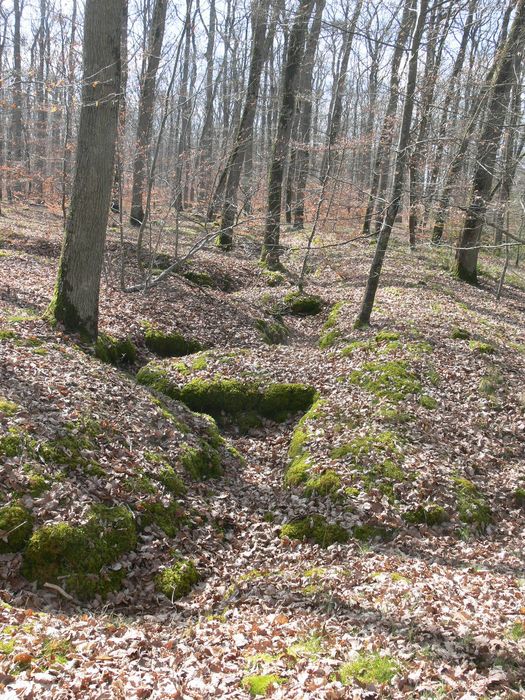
(316, 529)
(234, 398)
(177, 580)
(115, 351)
(428, 514)
(299, 304)
(169, 517)
(169, 344)
(203, 462)
(473, 506)
(74, 556)
(16, 526)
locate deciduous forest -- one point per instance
(262, 349)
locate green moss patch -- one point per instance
(74, 556)
(428, 402)
(16, 526)
(480, 347)
(168, 517)
(519, 496)
(329, 338)
(115, 351)
(272, 332)
(169, 344)
(8, 408)
(368, 533)
(460, 334)
(429, 514)
(177, 580)
(299, 304)
(392, 379)
(369, 668)
(316, 529)
(472, 504)
(258, 685)
(202, 462)
(273, 278)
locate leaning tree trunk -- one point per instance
(382, 159)
(76, 299)
(399, 171)
(294, 55)
(146, 104)
(467, 251)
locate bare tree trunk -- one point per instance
(76, 299)
(206, 140)
(468, 250)
(16, 145)
(184, 113)
(118, 182)
(146, 105)
(399, 170)
(270, 252)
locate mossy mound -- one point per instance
(392, 380)
(8, 408)
(177, 580)
(203, 278)
(115, 351)
(16, 526)
(299, 304)
(316, 529)
(369, 668)
(169, 344)
(258, 685)
(169, 517)
(74, 556)
(272, 332)
(233, 398)
(519, 496)
(202, 462)
(273, 278)
(329, 339)
(472, 504)
(368, 533)
(458, 333)
(429, 514)
(482, 348)
(331, 333)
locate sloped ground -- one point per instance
(419, 427)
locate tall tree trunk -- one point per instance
(270, 252)
(183, 113)
(118, 181)
(232, 171)
(206, 140)
(16, 145)
(382, 159)
(399, 170)
(76, 299)
(334, 122)
(468, 250)
(146, 105)
(305, 122)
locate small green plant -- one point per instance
(261, 684)
(385, 336)
(480, 347)
(519, 496)
(369, 668)
(430, 514)
(473, 507)
(316, 529)
(328, 339)
(8, 408)
(428, 402)
(390, 379)
(517, 631)
(460, 334)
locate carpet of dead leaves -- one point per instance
(446, 604)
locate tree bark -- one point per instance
(76, 299)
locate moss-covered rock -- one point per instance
(16, 526)
(327, 483)
(115, 351)
(74, 556)
(428, 514)
(279, 401)
(472, 504)
(458, 333)
(316, 529)
(391, 379)
(169, 344)
(272, 332)
(169, 517)
(177, 580)
(273, 278)
(299, 304)
(329, 339)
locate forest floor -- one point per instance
(422, 415)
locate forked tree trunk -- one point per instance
(76, 299)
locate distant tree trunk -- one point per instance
(270, 253)
(232, 171)
(41, 115)
(2, 98)
(382, 159)
(16, 145)
(468, 250)
(334, 121)
(305, 122)
(76, 299)
(118, 182)
(183, 113)
(146, 105)
(206, 140)
(399, 170)
(66, 163)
